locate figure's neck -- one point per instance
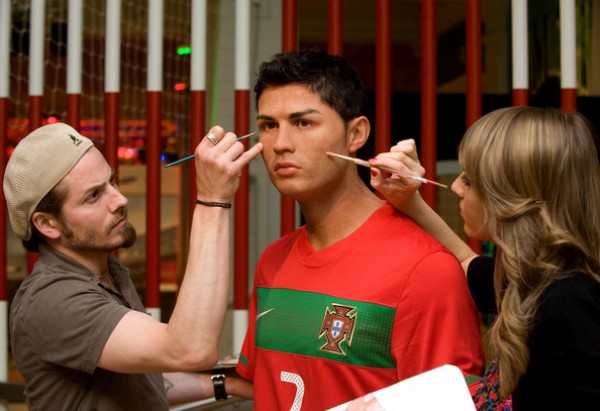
(337, 216)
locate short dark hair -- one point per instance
(327, 75)
(52, 203)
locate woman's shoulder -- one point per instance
(572, 289)
(571, 301)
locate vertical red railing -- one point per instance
(335, 27)
(74, 62)
(568, 55)
(429, 98)
(473, 40)
(153, 152)
(242, 204)
(5, 30)
(520, 53)
(289, 42)
(36, 78)
(383, 77)
(197, 87)
(112, 83)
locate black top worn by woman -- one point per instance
(564, 343)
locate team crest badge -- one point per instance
(338, 326)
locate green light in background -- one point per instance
(184, 50)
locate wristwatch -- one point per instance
(218, 380)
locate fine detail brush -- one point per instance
(186, 158)
(365, 163)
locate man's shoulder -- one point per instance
(53, 281)
(401, 228)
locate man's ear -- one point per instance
(359, 129)
(46, 224)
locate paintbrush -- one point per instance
(365, 163)
(186, 158)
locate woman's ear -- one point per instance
(46, 224)
(359, 129)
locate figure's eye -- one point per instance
(267, 125)
(302, 123)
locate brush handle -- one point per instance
(365, 163)
(186, 158)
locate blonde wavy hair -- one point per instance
(537, 175)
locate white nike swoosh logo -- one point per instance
(263, 313)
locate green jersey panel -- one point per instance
(322, 326)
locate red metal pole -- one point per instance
(520, 97)
(429, 98)
(36, 104)
(335, 29)
(520, 53)
(153, 138)
(111, 131)
(197, 130)
(568, 55)
(74, 110)
(568, 99)
(242, 205)
(289, 42)
(4, 102)
(383, 77)
(473, 40)
(289, 25)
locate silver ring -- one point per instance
(212, 138)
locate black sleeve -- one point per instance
(480, 276)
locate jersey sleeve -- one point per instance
(245, 366)
(437, 322)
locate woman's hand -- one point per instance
(398, 190)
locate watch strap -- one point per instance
(218, 380)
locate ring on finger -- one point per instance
(212, 138)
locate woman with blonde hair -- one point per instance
(531, 185)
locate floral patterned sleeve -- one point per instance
(487, 397)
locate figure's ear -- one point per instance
(359, 129)
(46, 224)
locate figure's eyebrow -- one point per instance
(264, 117)
(299, 114)
(292, 116)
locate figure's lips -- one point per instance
(285, 168)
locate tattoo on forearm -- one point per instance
(168, 384)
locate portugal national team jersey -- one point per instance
(385, 303)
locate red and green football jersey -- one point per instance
(383, 304)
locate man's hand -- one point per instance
(219, 165)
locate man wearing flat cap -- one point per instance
(79, 333)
